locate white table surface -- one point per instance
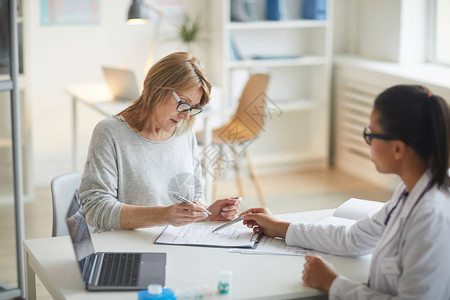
(254, 276)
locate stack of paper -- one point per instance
(201, 235)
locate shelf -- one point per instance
(296, 54)
(291, 24)
(274, 63)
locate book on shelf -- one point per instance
(276, 10)
(244, 10)
(235, 54)
(314, 9)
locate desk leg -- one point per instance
(30, 280)
(207, 140)
(74, 134)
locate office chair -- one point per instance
(63, 188)
(246, 124)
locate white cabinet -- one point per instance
(296, 53)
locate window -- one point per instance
(440, 32)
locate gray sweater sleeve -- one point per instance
(99, 184)
(122, 167)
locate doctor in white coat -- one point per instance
(408, 135)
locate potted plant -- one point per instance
(189, 31)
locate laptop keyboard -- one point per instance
(120, 269)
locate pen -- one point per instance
(184, 200)
(227, 224)
(259, 237)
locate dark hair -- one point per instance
(420, 119)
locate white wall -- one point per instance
(383, 42)
(63, 54)
(387, 30)
(368, 28)
(58, 55)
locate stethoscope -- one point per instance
(403, 195)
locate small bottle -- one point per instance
(224, 284)
(156, 291)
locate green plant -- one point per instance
(189, 30)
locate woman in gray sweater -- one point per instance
(139, 159)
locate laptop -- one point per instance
(111, 270)
(122, 83)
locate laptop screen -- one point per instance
(122, 83)
(79, 231)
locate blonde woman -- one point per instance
(139, 156)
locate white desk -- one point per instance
(254, 276)
(98, 97)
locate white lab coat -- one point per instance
(413, 263)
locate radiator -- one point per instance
(355, 97)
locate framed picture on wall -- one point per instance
(70, 12)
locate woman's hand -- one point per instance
(261, 220)
(224, 209)
(184, 213)
(317, 273)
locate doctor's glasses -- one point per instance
(369, 136)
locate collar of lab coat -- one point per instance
(395, 227)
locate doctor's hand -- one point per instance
(261, 220)
(181, 214)
(317, 273)
(224, 209)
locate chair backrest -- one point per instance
(248, 120)
(63, 188)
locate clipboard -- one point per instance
(202, 236)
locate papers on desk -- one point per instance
(346, 214)
(351, 211)
(276, 246)
(243, 237)
(201, 235)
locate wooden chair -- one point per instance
(245, 125)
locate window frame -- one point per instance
(432, 36)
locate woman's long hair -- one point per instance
(174, 72)
(421, 119)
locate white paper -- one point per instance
(201, 235)
(357, 209)
(276, 246)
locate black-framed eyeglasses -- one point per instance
(369, 136)
(183, 106)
